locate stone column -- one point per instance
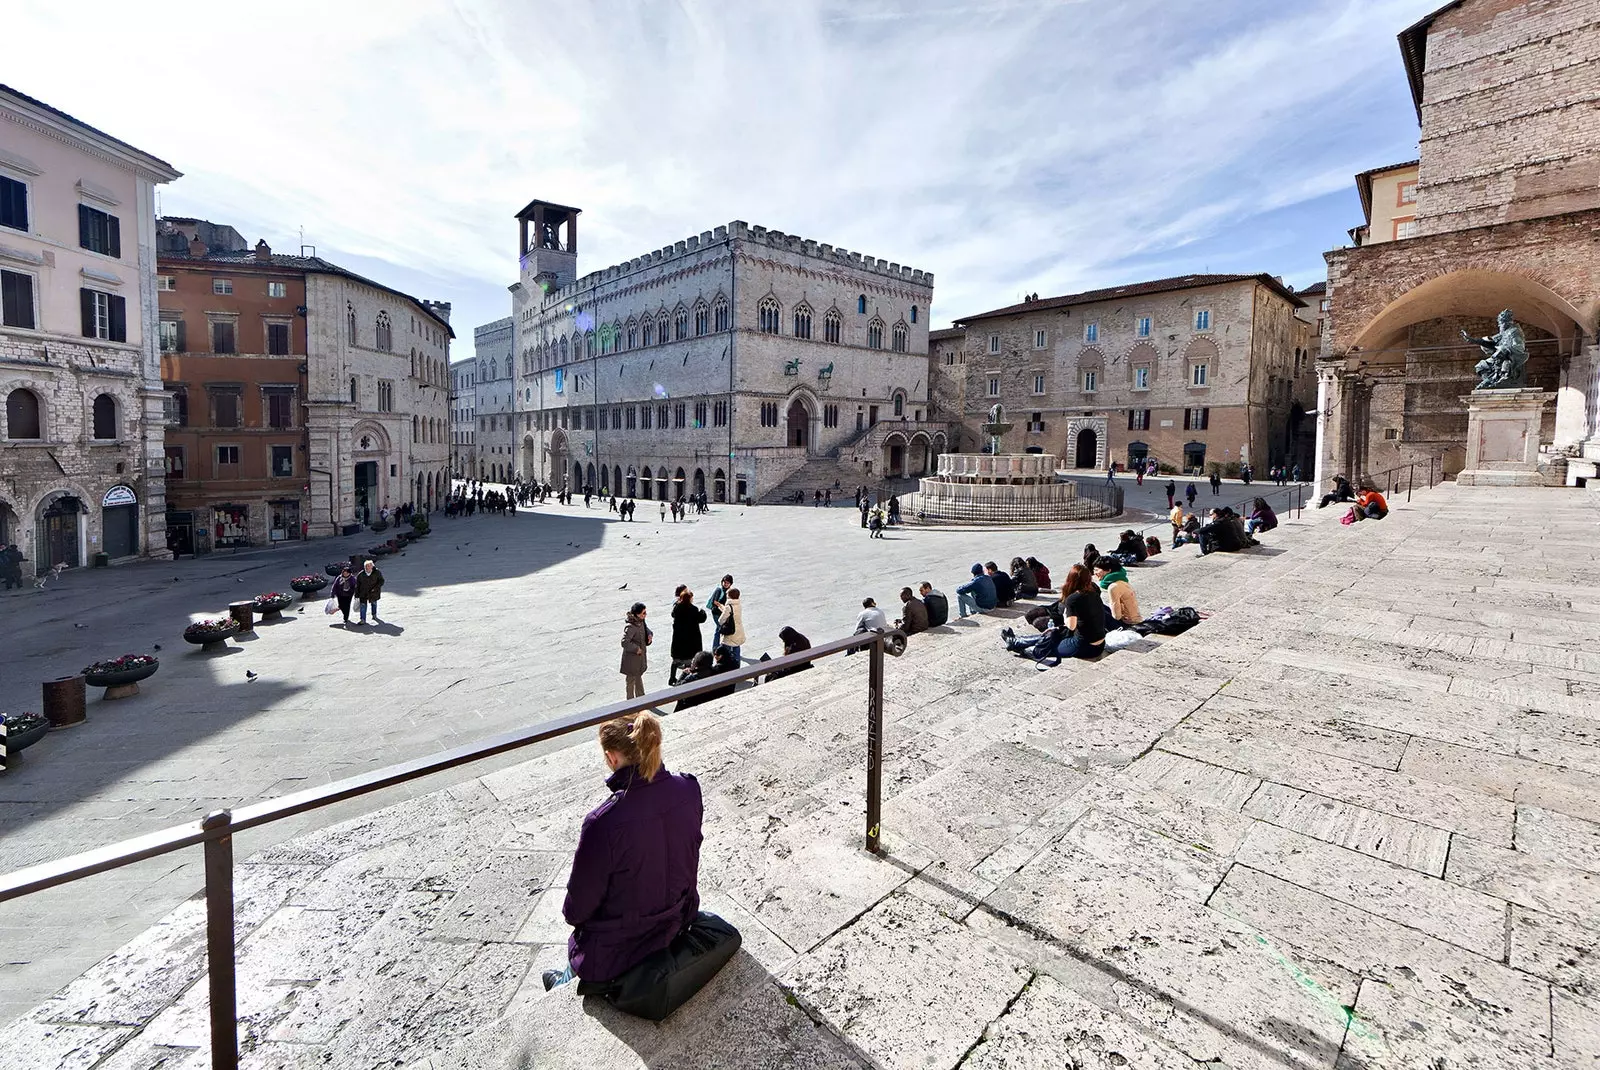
(1330, 423)
(1577, 399)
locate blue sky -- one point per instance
(1008, 146)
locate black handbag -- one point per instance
(666, 980)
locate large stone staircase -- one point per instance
(1284, 838)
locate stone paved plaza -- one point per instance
(1352, 820)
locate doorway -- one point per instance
(1087, 453)
(366, 490)
(59, 534)
(799, 424)
(121, 526)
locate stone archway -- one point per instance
(797, 424)
(1076, 443)
(530, 456)
(894, 456)
(1086, 449)
(719, 486)
(699, 481)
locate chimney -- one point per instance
(197, 247)
(263, 250)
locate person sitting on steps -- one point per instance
(976, 594)
(1123, 610)
(1083, 634)
(938, 605)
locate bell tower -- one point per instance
(547, 247)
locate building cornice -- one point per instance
(83, 140)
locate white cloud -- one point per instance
(1004, 145)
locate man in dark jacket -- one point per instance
(938, 605)
(1005, 589)
(369, 588)
(976, 594)
(913, 613)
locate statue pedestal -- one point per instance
(1503, 438)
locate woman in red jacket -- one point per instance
(635, 877)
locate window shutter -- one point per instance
(1205, 419)
(1186, 415)
(86, 304)
(1147, 418)
(85, 229)
(119, 317)
(1130, 419)
(183, 337)
(114, 230)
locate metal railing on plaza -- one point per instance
(214, 833)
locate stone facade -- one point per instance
(1508, 202)
(1190, 371)
(80, 382)
(463, 418)
(725, 363)
(495, 387)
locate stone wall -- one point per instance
(1508, 113)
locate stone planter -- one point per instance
(208, 639)
(22, 734)
(308, 589)
(123, 683)
(337, 567)
(272, 608)
(378, 551)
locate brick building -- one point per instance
(1505, 208)
(1191, 371)
(80, 427)
(304, 397)
(738, 362)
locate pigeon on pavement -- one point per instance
(248, 675)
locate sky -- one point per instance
(1007, 146)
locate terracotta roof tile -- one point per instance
(1135, 289)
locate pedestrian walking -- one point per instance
(686, 643)
(1216, 484)
(636, 639)
(1172, 493)
(1138, 475)
(1111, 476)
(864, 510)
(663, 512)
(344, 589)
(1191, 494)
(1297, 473)
(11, 566)
(369, 588)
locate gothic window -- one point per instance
(633, 335)
(649, 332)
(588, 343)
(767, 314)
(861, 305)
(898, 338)
(699, 414)
(563, 350)
(353, 385)
(719, 314)
(802, 322)
(875, 333)
(899, 404)
(680, 323)
(105, 417)
(913, 313)
(384, 333)
(830, 326)
(702, 318)
(350, 321)
(662, 334)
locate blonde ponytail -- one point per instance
(637, 740)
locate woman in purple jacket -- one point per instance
(635, 877)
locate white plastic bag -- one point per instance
(331, 606)
(1118, 638)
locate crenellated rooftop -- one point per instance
(739, 230)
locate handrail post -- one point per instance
(219, 942)
(1411, 480)
(874, 743)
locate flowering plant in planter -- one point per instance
(273, 599)
(18, 723)
(211, 626)
(127, 661)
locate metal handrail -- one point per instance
(215, 831)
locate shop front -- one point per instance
(119, 522)
(285, 516)
(230, 526)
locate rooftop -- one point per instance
(1135, 289)
(153, 163)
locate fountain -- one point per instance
(1000, 488)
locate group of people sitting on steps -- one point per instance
(1369, 504)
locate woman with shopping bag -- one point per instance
(344, 589)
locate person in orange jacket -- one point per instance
(1371, 504)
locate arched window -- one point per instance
(352, 389)
(680, 323)
(875, 333)
(563, 350)
(831, 326)
(105, 417)
(661, 328)
(413, 364)
(382, 334)
(898, 338)
(588, 343)
(913, 313)
(719, 313)
(22, 415)
(633, 334)
(702, 318)
(416, 424)
(350, 321)
(861, 305)
(802, 321)
(767, 314)
(649, 331)
(899, 404)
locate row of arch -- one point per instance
(28, 419)
(432, 489)
(427, 429)
(1143, 354)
